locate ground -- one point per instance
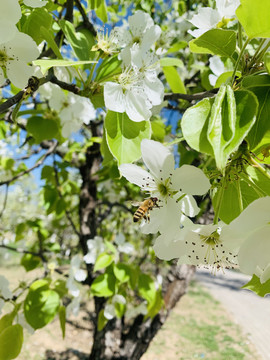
(199, 327)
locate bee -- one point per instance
(144, 208)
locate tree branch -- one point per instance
(68, 215)
(40, 162)
(86, 21)
(191, 97)
(5, 202)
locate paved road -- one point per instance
(250, 311)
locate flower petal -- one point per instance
(136, 175)
(266, 274)
(255, 251)
(139, 22)
(190, 180)
(154, 90)
(23, 47)
(10, 10)
(169, 249)
(189, 206)
(150, 37)
(137, 107)
(114, 97)
(154, 155)
(206, 18)
(18, 73)
(254, 216)
(7, 30)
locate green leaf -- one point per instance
(7, 320)
(62, 319)
(254, 17)
(232, 117)
(147, 288)
(109, 67)
(267, 61)
(124, 136)
(103, 261)
(195, 124)
(155, 306)
(102, 321)
(216, 42)
(105, 151)
(60, 287)
(42, 129)
(47, 64)
(170, 61)
(222, 124)
(41, 304)
(49, 37)
(238, 188)
(122, 272)
(37, 19)
(257, 287)
(158, 130)
(77, 40)
(225, 78)
(103, 285)
(260, 86)
(30, 262)
(101, 11)
(174, 80)
(177, 46)
(11, 340)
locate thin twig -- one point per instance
(5, 202)
(68, 215)
(87, 24)
(27, 171)
(191, 97)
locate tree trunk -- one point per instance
(115, 342)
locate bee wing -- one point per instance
(136, 203)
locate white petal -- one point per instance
(254, 216)
(190, 180)
(10, 10)
(167, 249)
(216, 65)
(255, 251)
(227, 8)
(197, 32)
(80, 275)
(109, 311)
(114, 97)
(18, 73)
(189, 206)
(212, 79)
(154, 90)
(135, 174)
(154, 155)
(137, 107)
(22, 46)
(7, 30)
(266, 274)
(139, 22)
(35, 3)
(150, 37)
(206, 18)
(2, 77)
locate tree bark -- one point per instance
(115, 342)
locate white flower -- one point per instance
(106, 42)
(127, 95)
(75, 273)
(123, 245)
(200, 245)
(74, 307)
(95, 247)
(251, 229)
(73, 110)
(35, 3)
(15, 54)
(4, 288)
(141, 31)
(173, 187)
(208, 18)
(10, 14)
(217, 67)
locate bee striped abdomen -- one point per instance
(138, 214)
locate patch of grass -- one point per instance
(199, 328)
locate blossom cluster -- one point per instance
(208, 18)
(137, 89)
(241, 243)
(16, 49)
